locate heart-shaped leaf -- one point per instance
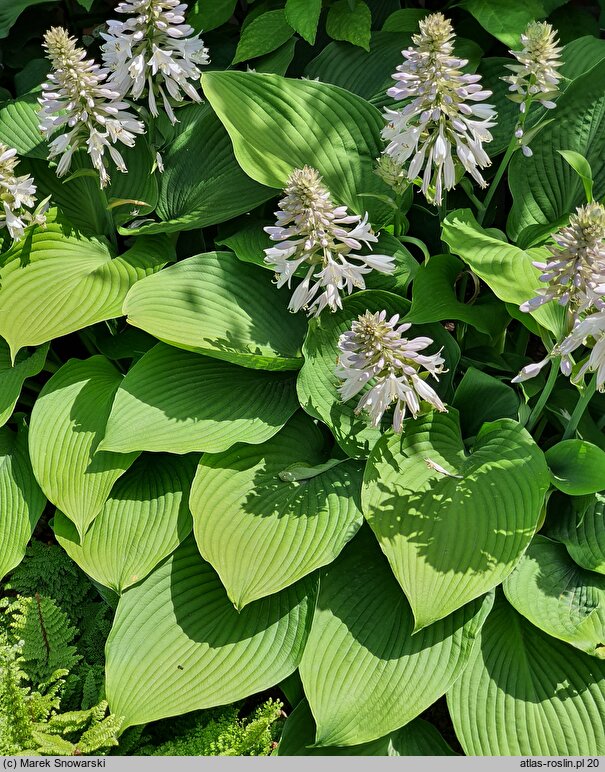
(452, 525)
(298, 122)
(318, 385)
(418, 738)
(180, 402)
(559, 597)
(57, 281)
(12, 376)
(67, 424)
(526, 694)
(21, 500)
(177, 644)
(213, 304)
(481, 397)
(363, 671)
(577, 467)
(144, 519)
(19, 126)
(579, 523)
(263, 526)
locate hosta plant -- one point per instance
(302, 361)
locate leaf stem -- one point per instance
(513, 145)
(580, 408)
(536, 412)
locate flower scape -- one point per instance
(302, 363)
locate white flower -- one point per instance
(154, 51)
(77, 101)
(17, 196)
(591, 328)
(311, 231)
(444, 123)
(575, 274)
(374, 352)
(536, 76)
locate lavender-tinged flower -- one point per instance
(77, 100)
(536, 76)
(444, 115)
(575, 274)
(589, 329)
(374, 352)
(311, 231)
(17, 195)
(155, 51)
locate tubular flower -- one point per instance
(575, 274)
(374, 352)
(444, 116)
(536, 76)
(77, 98)
(312, 232)
(590, 329)
(154, 51)
(17, 195)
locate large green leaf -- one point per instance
(434, 298)
(266, 516)
(202, 183)
(577, 467)
(10, 12)
(19, 126)
(455, 532)
(559, 597)
(481, 397)
(418, 738)
(277, 124)
(21, 500)
(12, 376)
(526, 694)
(351, 22)
(177, 644)
(363, 671)
(318, 385)
(67, 424)
(144, 519)
(579, 523)
(506, 269)
(262, 35)
(57, 281)
(545, 187)
(180, 402)
(505, 19)
(213, 304)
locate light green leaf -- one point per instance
(526, 694)
(582, 168)
(579, 523)
(506, 269)
(56, 281)
(67, 424)
(262, 35)
(434, 298)
(559, 597)
(213, 304)
(178, 401)
(318, 385)
(205, 16)
(298, 122)
(350, 24)
(262, 533)
(144, 519)
(505, 19)
(278, 61)
(453, 532)
(202, 183)
(577, 467)
(177, 644)
(19, 125)
(481, 397)
(363, 671)
(10, 12)
(21, 500)
(303, 16)
(12, 376)
(545, 187)
(418, 738)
